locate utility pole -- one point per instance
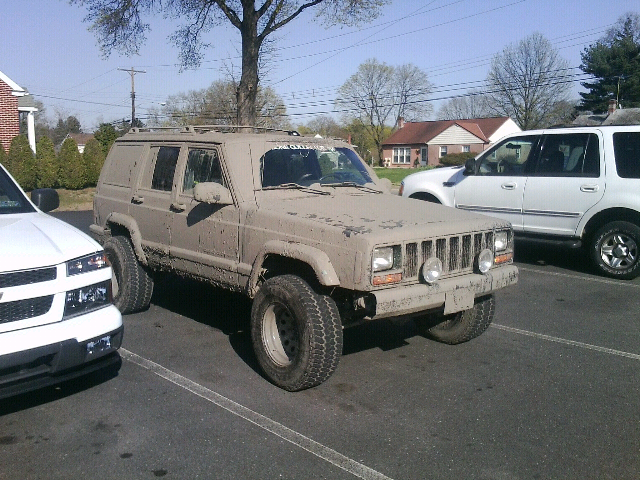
(133, 93)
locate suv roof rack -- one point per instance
(214, 128)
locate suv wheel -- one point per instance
(459, 327)
(132, 284)
(614, 250)
(296, 333)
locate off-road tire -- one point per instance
(614, 250)
(296, 333)
(131, 283)
(459, 327)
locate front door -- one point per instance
(204, 239)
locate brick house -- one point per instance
(423, 143)
(14, 101)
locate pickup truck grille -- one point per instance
(457, 253)
(27, 277)
(24, 309)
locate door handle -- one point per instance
(137, 199)
(589, 188)
(180, 207)
(508, 186)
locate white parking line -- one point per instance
(549, 338)
(311, 446)
(617, 283)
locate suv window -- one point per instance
(165, 167)
(570, 155)
(626, 146)
(508, 158)
(11, 199)
(203, 165)
(305, 166)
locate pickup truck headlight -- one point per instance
(383, 258)
(88, 263)
(87, 299)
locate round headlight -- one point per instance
(431, 270)
(485, 260)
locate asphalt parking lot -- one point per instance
(550, 391)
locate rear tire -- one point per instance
(131, 283)
(614, 250)
(296, 333)
(459, 327)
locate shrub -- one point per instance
(93, 157)
(47, 163)
(453, 159)
(71, 173)
(21, 163)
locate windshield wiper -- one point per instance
(296, 186)
(353, 184)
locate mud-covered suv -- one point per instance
(306, 230)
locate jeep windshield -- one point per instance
(306, 166)
(11, 198)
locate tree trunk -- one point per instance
(248, 87)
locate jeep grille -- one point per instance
(457, 253)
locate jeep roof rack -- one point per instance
(214, 128)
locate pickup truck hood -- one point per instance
(377, 214)
(36, 240)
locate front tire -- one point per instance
(614, 250)
(296, 333)
(459, 327)
(131, 283)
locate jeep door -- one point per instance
(204, 239)
(498, 185)
(568, 179)
(151, 202)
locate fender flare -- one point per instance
(134, 233)
(317, 259)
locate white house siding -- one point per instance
(455, 135)
(507, 128)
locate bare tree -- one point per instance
(217, 105)
(377, 95)
(119, 24)
(471, 105)
(526, 81)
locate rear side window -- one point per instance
(569, 155)
(123, 159)
(165, 168)
(626, 146)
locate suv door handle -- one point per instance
(509, 186)
(137, 199)
(589, 188)
(180, 207)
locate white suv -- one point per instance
(573, 186)
(57, 320)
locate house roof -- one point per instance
(621, 116)
(80, 138)
(423, 132)
(17, 89)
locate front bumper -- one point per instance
(453, 294)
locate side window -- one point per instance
(203, 165)
(626, 146)
(165, 167)
(508, 158)
(569, 155)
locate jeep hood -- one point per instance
(36, 240)
(378, 214)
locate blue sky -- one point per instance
(47, 49)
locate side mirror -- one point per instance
(46, 199)
(470, 167)
(211, 192)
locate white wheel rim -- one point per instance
(280, 335)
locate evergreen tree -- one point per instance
(72, 167)
(106, 135)
(93, 158)
(614, 61)
(47, 163)
(21, 163)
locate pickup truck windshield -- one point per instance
(11, 198)
(307, 166)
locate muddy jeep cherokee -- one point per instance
(305, 230)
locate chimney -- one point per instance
(612, 106)
(400, 122)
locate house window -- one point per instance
(466, 148)
(401, 155)
(443, 150)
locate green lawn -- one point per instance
(396, 175)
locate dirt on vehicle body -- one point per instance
(306, 230)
